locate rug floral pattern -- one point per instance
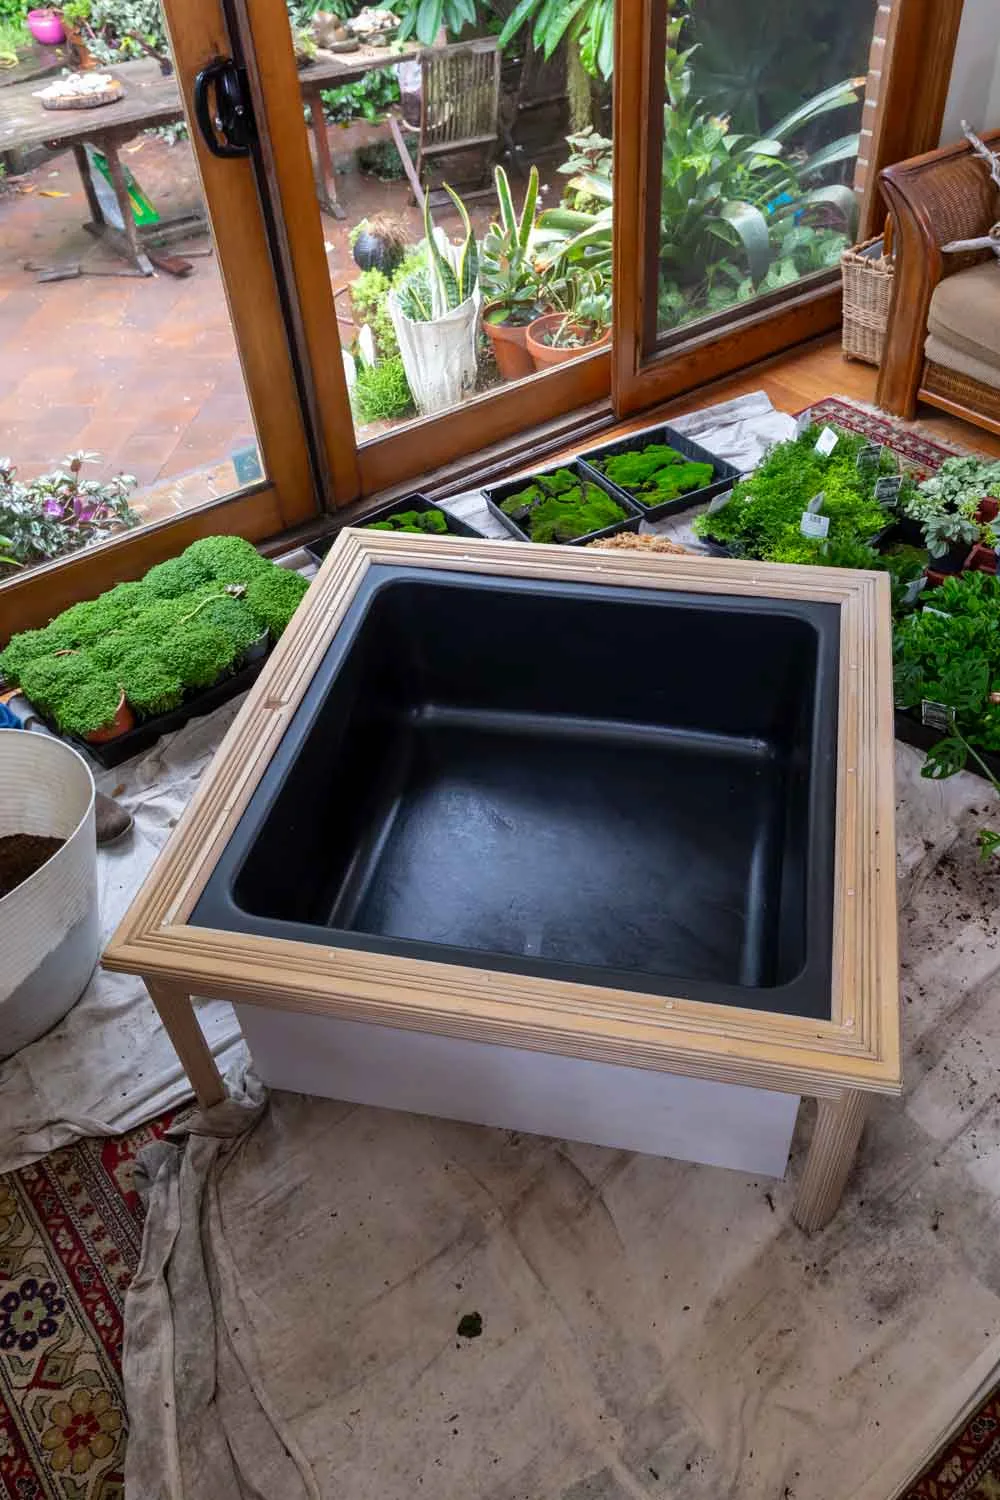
(70, 1233)
(968, 1467)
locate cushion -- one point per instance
(957, 360)
(965, 313)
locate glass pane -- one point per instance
(422, 332)
(763, 108)
(140, 371)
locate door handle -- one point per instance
(228, 128)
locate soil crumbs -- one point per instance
(21, 854)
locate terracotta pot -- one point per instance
(46, 27)
(981, 559)
(544, 355)
(509, 341)
(83, 58)
(123, 721)
(988, 510)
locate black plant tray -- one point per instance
(912, 731)
(134, 741)
(496, 494)
(319, 548)
(725, 475)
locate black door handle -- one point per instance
(230, 130)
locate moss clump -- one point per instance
(199, 653)
(275, 596)
(227, 559)
(764, 517)
(149, 640)
(655, 474)
(559, 507)
(73, 692)
(181, 575)
(432, 521)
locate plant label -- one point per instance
(942, 614)
(803, 422)
(719, 502)
(814, 526)
(887, 489)
(246, 465)
(826, 442)
(935, 715)
(870, 456)
(915, 589)
(816, 503)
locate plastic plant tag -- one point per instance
(719, 501)
(870, 456)
(887, 489)
(826, 442)
(816, 503)
(915, 589)
(246, 465)
(935, 715)
(942, 614)
(803, 422)
(814, 526)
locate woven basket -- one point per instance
(867, 272)
(88, 101)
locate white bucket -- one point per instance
(49, 927)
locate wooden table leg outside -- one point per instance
(326, 183)
(173, 1004)
(86, 177)
(839, 1123)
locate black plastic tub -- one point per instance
(725, 475)
(145, 735)
(319, 548)
(496, 494)
(481, 773)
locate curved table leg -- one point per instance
(839, 1124)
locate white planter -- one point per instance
(439, 357)
(49, 930)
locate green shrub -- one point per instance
(382, 392)
(199, 653)
(655, 474)
(366, 99)
(22, 649)
(151, 687)
(233, 616)
(370, 304)
(181, 575)
(382, 160)
(72, 692)
(275, 596)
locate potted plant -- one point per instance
(435, 312)
(510, 283)
(563, 505)
(46, 27)
(955, 510)
(585, 325)
(75, 15)
(59, 512)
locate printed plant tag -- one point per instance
(935, 715)
(870, 456)
(826, 442)
(814, 526)
(816, 503)
(887, 489)
(720, 501)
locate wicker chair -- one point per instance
(943, 340)
(459, 108)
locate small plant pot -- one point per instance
(46, 27)
(123, 721)
(545, 355)
(509, 344)
(981, 559)
(989, 509)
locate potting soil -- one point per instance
(21, 854)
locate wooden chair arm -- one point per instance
(942, 196)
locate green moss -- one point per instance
(227, 559)
(559, 507)
(22, 649)
(72, 691)
(655, 474)
(275, 596)
(198, 653)
(151, 687)
(181, 575)
(233, 616)
(412, 520)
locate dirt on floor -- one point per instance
(144, 370)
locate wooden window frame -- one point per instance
(917, 60)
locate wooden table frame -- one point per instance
(838, 1062)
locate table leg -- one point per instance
(87, 178)
(839, 1123)
(173, 1004)
(129, 227)
(326, 183)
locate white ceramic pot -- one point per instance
(49, 928)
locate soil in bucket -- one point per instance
(21, 854)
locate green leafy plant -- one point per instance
(59, 512)
(654, 474)
(424, 18)
(368, 98)
(370, 304)
(560, 507)
(764, 516)
(507, 273)
(275, 596)
(382, 160)
(947, 505)
(382, 392)
(588, 24)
